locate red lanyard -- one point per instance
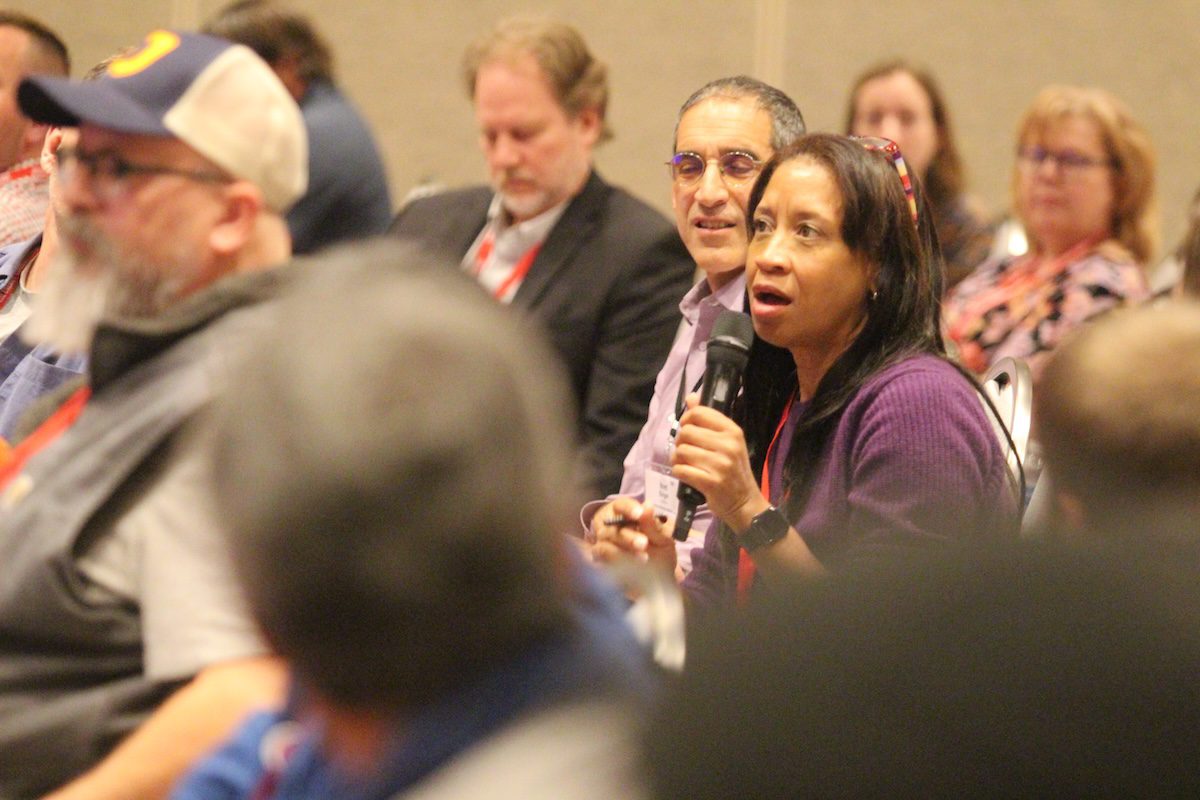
(972, 325)
(746, 568)
(54, 426)
(20, 173)
(518, 271)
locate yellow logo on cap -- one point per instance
(158, 44)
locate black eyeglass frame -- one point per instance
(108, 166)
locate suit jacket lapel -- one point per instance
(573, 230)
(461, 236)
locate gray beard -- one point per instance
(75, 297)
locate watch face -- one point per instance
(768, 527)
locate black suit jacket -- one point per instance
(605, 285)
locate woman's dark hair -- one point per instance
(903, 318)
(944, 176)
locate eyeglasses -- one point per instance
(1070, 162)
(108, 171)
(736, 167)
(892, 151)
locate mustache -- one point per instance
(75, 229)
(516, 174)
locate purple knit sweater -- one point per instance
(913, 461)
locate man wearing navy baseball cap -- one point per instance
(126, 649)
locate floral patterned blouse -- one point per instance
(1024, 306)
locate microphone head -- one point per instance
(732, 335)
(734, 325)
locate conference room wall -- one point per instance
(399, 61)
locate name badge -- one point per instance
(662, 489)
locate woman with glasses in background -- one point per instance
(1083, 188)
(854, 438)
(902, 102)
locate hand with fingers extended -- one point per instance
(625, 527)
(711, 455)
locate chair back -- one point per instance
(1009, 385)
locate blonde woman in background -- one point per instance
(1083, 188)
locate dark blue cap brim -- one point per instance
(65, 103)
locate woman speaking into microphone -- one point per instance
(854, 436)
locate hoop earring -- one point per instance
(873, 295)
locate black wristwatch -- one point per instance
(766, 528)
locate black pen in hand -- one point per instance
(624, 522)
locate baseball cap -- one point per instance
(215, 96)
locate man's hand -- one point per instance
(627, 528)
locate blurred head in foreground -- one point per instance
(394, 470)
(1118, 417)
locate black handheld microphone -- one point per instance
(728, 352)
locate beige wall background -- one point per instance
(398, 59)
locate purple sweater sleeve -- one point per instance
(918, 463)
(912, 462)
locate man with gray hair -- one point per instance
(126, 649)
(403, 551)
(601, 270)
(726, 130)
